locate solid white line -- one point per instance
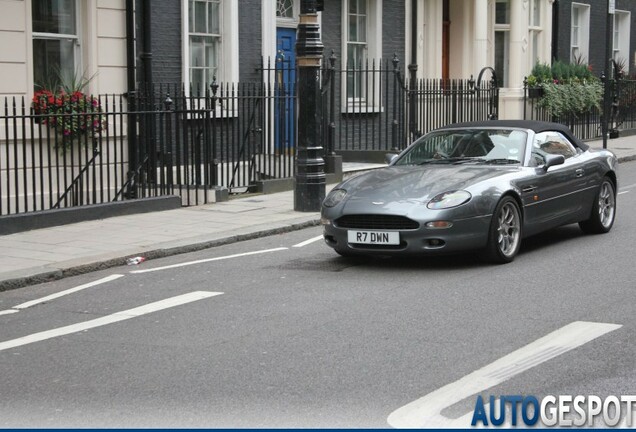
(306, 242)
(8, 311)
(621, 193)
(67, 292)
(109, 319)
(426, 411)
(208, 260)
(628, 186)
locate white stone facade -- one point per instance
(101, 46)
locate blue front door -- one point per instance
(285, 113)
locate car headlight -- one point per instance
(449, 200)
(334, 197)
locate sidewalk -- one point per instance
(36, 256)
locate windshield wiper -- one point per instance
(463, 159)
(434, 161)
(501, 161)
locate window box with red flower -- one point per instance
(71, 115)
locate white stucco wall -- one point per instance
(102, 40)
(14, 53)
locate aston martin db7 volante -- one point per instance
(474, 186)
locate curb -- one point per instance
(56, 274)
(626, 158)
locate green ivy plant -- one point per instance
(568, 88)
(572, 98)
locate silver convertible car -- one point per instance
(474, 186)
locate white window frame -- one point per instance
(581, 47)
(503, 28)
(285, 21)
(77, 53)
(228, 67)
(621, 35)
(535, 31)
(374, 53)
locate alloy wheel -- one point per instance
(606, 204)
(508, 229)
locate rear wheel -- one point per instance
(603, 210)
(504, 236)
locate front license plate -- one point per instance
(374, 237)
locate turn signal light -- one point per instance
(439, 224)
(324, 221)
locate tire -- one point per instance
(504, 235)
(603, 210)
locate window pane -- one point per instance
(199, 17)
(213, 18)
(575, 16)
(501, 57)
(502, 12)
(191, 16)
(205, 47)
(353, 6)
(54, 16)
(362, 7)
(53, 60)
(355, 54)
(535, 47)
(285, 8)
(536, 13)
(209, 76)
(616, 31)
(211, 53)
(353, 28)
(362, 29)
(196, 80)
(197, 58)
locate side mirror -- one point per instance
(552, 160)
(389, 158)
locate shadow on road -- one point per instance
(444, 262)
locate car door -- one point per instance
(554, 196)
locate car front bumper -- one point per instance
(464, 235)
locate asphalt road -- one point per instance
(282, 332)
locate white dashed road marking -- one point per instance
(109, 319)
(306, 242)
(28, 304)
(208, 260)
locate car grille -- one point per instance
(387, 222)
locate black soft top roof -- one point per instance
(536, 126)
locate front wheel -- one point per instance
(603, 210)
(504, 235)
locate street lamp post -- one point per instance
(309, 191)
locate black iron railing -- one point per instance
(190, 142)
(587, 125)
(373, 106)
(51, 160)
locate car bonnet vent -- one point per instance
(388, 222)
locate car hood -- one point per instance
(416, 184)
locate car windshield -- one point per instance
(467, 146)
